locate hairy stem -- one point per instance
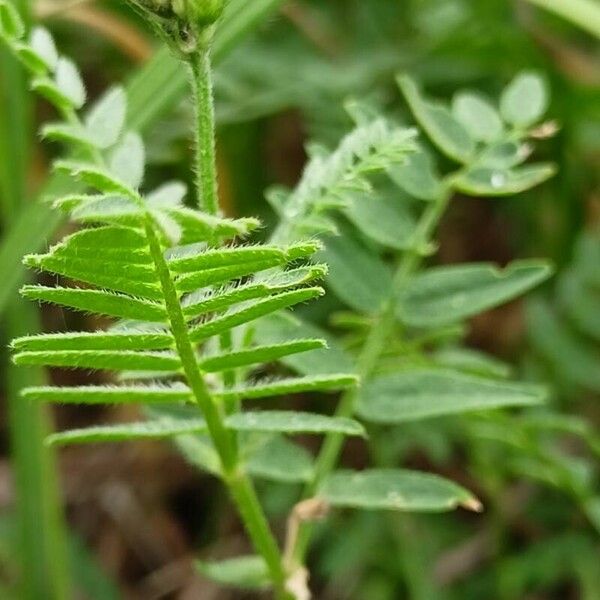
(205, 162)
(369, 356)
(240, 487)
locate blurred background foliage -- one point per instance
(137, 514)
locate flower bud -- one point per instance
(187, 25)
(199, 13)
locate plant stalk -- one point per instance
(205, 161)
(369, 356)
(240, 486)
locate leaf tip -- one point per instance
(473, 504)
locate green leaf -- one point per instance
(247, 572)
(279, 459)
(156, 88)
(31, 59)
(197, 257)
(69, 82)
(95, 177)
(11, 25)
(48, 89)
(384, 217)
(128, 340)
(219, 275)
(582, 13)
(524, 100)
(424, 393)
(208, 300)
(477, 116)
(201, 227)
(580, 302)
(279, 327)
(147, 430)
(504, 155)
(67, 133)
(137, 280)
(292, 422)
(356, 275)
(395, 489)
(98, 302)
(291, 385)
(472, 361)
(257, 355)
(106, 119)
(112, 210)
(128, 159)
(168, 195)
(417, 176)
(442, 128)
(443, 295)
(42, 44)
(97, 394)
(121, 360)
(572, 357)
(485, 181)
(245, 315)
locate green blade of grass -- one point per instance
(583, 13)
(40, 541)
(154, 90)
(41, 536)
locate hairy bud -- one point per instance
(187, 25)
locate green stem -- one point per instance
(369, 356)
(240, 487)
(205, 162)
